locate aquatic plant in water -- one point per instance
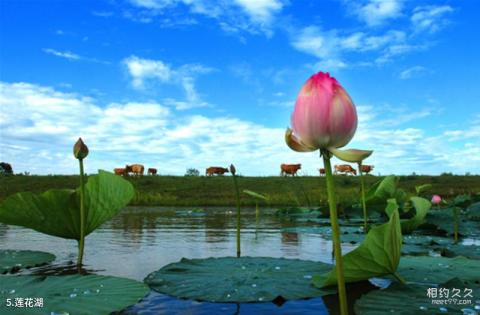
(325, 119)
(80, 151)
(237, 195)
(257, 197)
(68, 213)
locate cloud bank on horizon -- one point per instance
(176, 84)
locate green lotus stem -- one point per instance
(238, 212)
(332, 203)
(364, 205)
(455, 224)
(81, 242)
(399, 278)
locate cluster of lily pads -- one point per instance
(416, 248)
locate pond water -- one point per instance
(140, 240)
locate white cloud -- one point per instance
(145, 72)
(153, 4)
(62, 54)
(146, 69)
(412, 72)
(376, 12)
(71, 56)
(330, 46)
(39, 126)
(253, 16)
(261, 11)
(430, 18)
(472, 131)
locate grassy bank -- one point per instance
(218, 191)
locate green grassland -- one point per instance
(219, 191)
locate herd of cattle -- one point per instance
(292, 169)
(286, 169)
(135, 169)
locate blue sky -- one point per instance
(175, 84)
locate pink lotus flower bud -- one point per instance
(80, 149)
(324, 116)
(436, 199)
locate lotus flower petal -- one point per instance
(351, 155)
(295, 144)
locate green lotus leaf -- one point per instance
(454, 250)
(422, 188)
(13, 260)
(473, 212)
(393, 300)
(350, 234)
(462, 201)
(420, 206)
(383, 189)
(74, 294)
(244, 279)
(56, 211)
(254, 194)
(378, 255)
(443, 219)
(435, 270)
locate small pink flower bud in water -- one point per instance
(324, 116)
(436, 199)
(232, 169)
(80, 149)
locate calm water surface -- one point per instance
(140, 240)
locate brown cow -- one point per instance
(136, 169)
(345, 168)
(119, 171)
(152, 171)
(367, 168)
(215, 170)
(322, 171)
(289, 169)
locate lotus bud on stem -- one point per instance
(237, 192)
(80, 151)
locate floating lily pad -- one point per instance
(14, 260)
(245, 279)
(435, 270)
(473, 212)
(426, 240)
(416, 244)
(350, 234)
(73, 294)
(341, 221)
(393, 300)
(415, 250)
(444, 220)
(453, 250)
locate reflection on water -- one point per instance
(141, 240)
